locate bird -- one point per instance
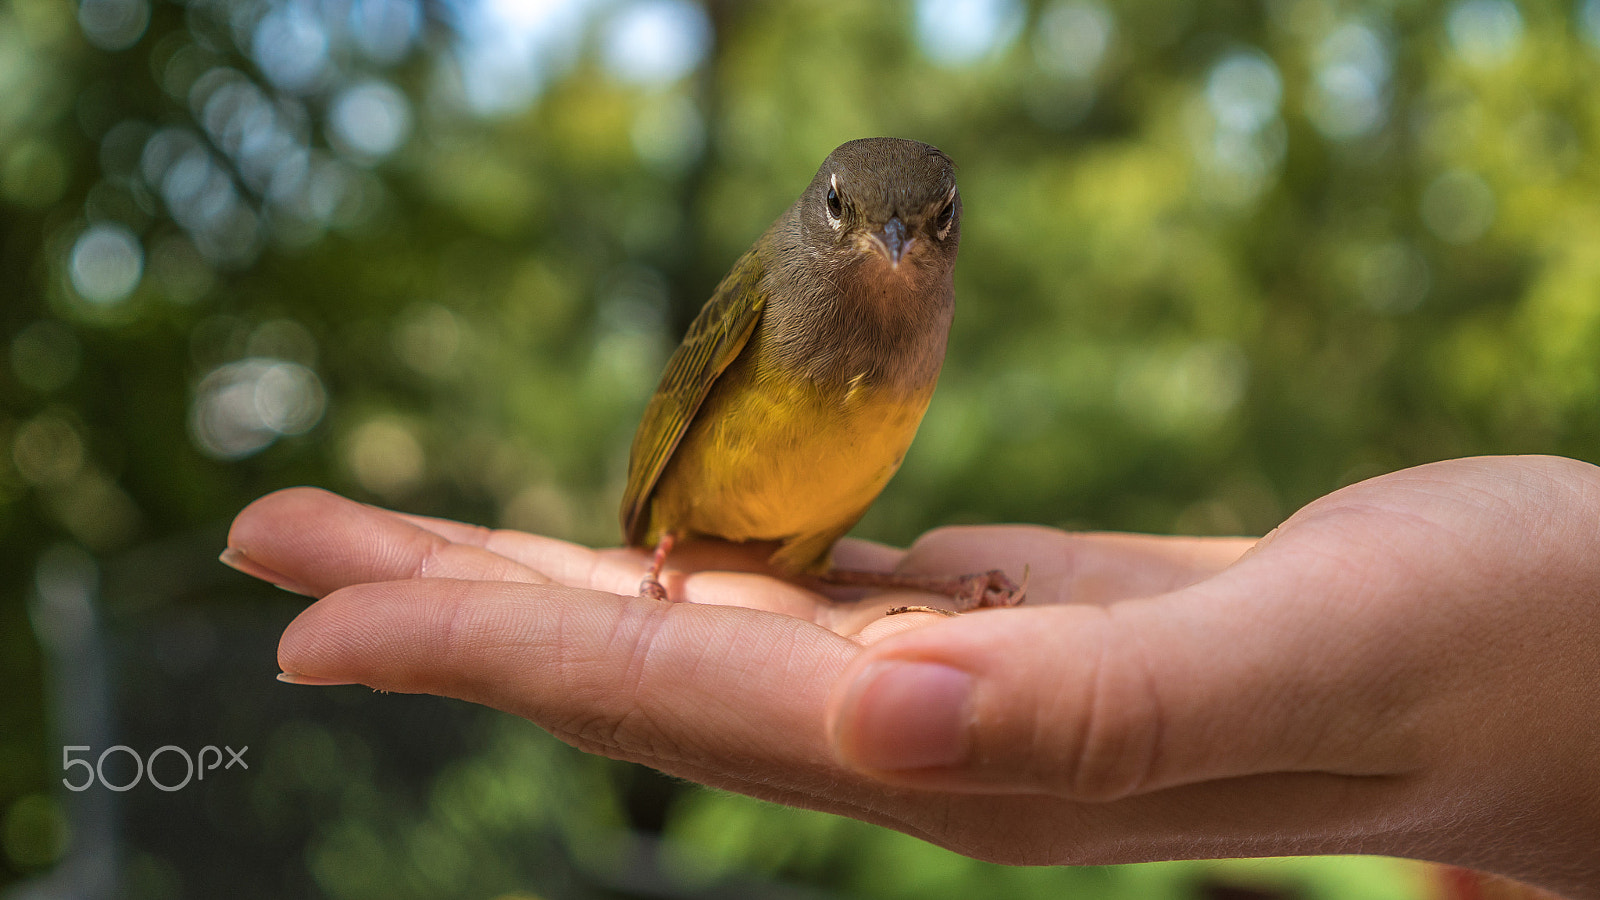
(799, 386)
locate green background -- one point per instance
(1218, 259)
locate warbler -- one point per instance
(799, 386)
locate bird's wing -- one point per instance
(715, 338)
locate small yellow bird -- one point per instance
(799, 386)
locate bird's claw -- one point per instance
(652, 588)
(992, 590)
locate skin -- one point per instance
(1409, 666)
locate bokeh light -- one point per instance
(429, 339)
(386, 30)
(509, 49)
(106, 263)
(47, 450)
(33, 172)
(113, 24)
(1589, 21)
(253, 129)
(241, 408)
(669, 133)
(1073, 37)
(1244, 90)
(962, 32)
(1485, 33)
(385, 457)
(1393, 277)
(290, 44)
(1240, 140)
(200, 194)
(369, 120)
(655, 41)
(1178, 389)
(34, 831)
(1350, 94)
(1458, 206)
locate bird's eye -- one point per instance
(946, 218)
(835, 205)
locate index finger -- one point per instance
(725, 695)
(313, 542)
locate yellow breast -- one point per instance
(775, 457)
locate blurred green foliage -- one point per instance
(1219, 259)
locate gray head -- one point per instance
(886, 208)
(860, 266)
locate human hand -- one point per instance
(1405, 667)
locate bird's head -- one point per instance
(886, 210)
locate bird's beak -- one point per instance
(893, 241)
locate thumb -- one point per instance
(1098, 703)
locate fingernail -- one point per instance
(906, 715)
(234, 558)
(292, 678)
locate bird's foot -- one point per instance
(652, 588)
(651, 585)
(991, 589)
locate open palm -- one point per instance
(1401, 668)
